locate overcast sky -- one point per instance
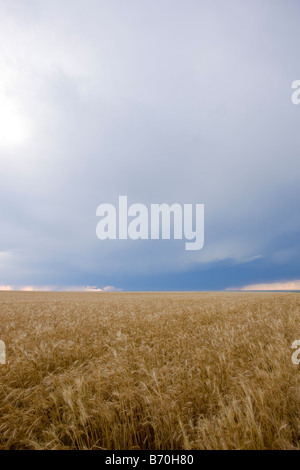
(162, 101)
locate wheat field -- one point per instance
(157, 371)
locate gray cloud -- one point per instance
(162, 101)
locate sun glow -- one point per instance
(14, 127)
(14, 124)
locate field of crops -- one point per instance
(149, 371)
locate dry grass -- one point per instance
(149, 371)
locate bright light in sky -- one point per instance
(14, 125)
(14, 128)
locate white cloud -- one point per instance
(34, 288)
(111, 289)
(90, 289)
(81, 289)
(60, 289)
(285, 285)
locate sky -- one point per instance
(165, 101)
